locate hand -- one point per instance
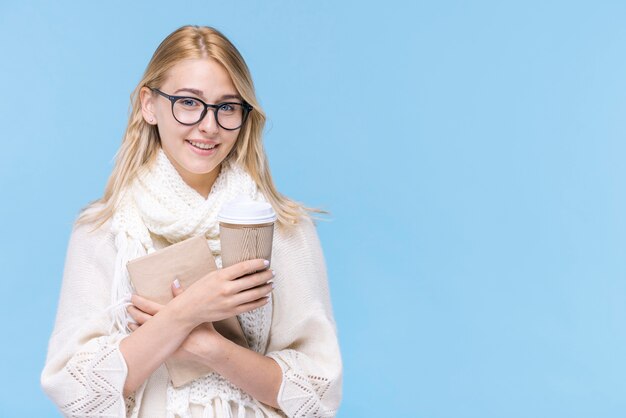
(225, 293)
(194, 347)
(143, 309)
(219, 295)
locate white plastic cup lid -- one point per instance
(245, 211)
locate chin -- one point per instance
(202, 168)
(194, 165)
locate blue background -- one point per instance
(471, 154)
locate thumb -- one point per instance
(177, 289)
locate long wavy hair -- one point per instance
(141, 140)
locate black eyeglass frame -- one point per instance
(246, 109)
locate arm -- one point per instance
(302, 374)
(303, 336)
(256, 374)
(150, 345)
(219, 295)
(84, 371)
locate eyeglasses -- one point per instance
(190, 110)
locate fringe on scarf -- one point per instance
(220, 406)
(122, 290)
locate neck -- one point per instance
(201, 183)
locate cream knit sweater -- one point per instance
(85, 371)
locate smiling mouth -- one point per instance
(202, 146)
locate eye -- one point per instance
(227, 107)
(188, 102)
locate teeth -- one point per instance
(203, 146)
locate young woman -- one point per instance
(193, 143)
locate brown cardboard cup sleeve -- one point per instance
(187, 261)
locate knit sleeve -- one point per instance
(303, 335)
(85, 371)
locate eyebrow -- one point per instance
(200, 93)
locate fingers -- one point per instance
(139, 316)
(142, 309)
(251, 288)
(251, 281)
(252, 305)
(245, 267)
(146, 305)
(177, 289)
(253, 294)
(220, 293)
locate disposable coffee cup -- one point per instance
(246, 230)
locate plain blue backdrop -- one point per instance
(471, 154)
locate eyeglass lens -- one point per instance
(189, 111)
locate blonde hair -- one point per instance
(141, 140)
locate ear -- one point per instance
(147, 105)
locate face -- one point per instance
(208, 81)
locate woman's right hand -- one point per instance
(226, 292)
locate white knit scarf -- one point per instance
(159, 201)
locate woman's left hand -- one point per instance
(198, 343)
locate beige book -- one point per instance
(187, 261)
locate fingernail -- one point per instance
(176, 284)
(273, 273)
(266, 262)
(272, 283)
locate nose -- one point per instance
(208, 123)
